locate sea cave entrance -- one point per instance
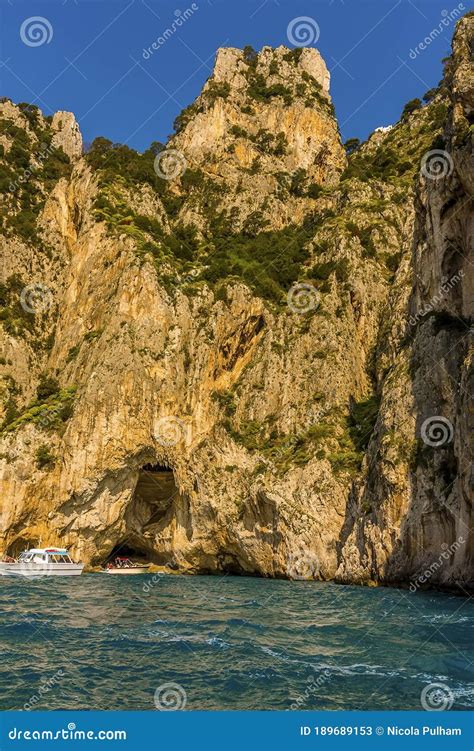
(155, 491)
(156, 499)
(20, 544)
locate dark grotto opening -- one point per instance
(155, 490)
(20, 544)
(156, 499)
(127, 549)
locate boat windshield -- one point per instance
(57, 558)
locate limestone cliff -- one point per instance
(207, 353)
(412, 511)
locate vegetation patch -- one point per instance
(47, 412)
(44, 459)
(269, 263)
(362, 419)
(15, 319)
(398, 156)
(28, 172)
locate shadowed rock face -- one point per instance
(423, 531)
(169, 392)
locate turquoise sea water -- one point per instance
(104, 642)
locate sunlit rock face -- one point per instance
(232, 368)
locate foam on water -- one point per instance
(231, 643)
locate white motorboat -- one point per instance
(126, 566)
(41, 562)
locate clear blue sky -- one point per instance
(93, 64)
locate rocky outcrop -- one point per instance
(217, 368)
(260, 117)
(413, 515)
(67, 135)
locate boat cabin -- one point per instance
(47, 555)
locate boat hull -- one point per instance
(128, 571)
(36, 570)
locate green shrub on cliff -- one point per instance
(259, 90)
(44, 458)
(29, 170)
(15, 319)
(47, 387)
(49, 413)
(410, 107)
(397, 158)
(217, 90)
(269, 262)
(362, 419)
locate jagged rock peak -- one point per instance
(279, 63)
(63, 126)
(67, 135)
(260, 114)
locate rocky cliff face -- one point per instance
(219, 356)
(418, 495)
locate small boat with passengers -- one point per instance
(125, 566)
(41, 562)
